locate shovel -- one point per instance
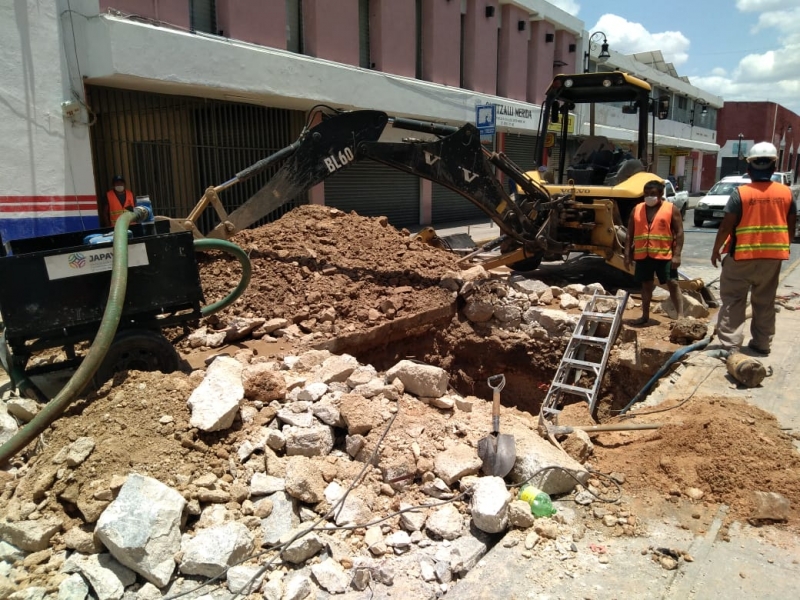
(496, 450)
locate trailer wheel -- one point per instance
(140, 350)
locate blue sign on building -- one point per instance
(484, 118)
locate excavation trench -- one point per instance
(471, 354)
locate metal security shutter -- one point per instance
(373, 190)
(662, 167)
(521, 149)
(172, 148)
(449, 207)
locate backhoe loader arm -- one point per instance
(457, 161)
(320, 152)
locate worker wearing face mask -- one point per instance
(654, 243)
(116, 201)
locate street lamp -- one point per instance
(602, 57)
(604, 54)
(740, 155)
(791, 148)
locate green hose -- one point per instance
(98, 349)
(233, 249)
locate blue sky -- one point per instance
(736, 49)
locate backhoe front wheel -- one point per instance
(139, 350)
(527, 264)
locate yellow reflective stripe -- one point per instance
(762, 247)
(652, 237)
(765, 228)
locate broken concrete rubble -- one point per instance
(215, 401)
(456, 462)
(107, 577)
(288, 466)
(141, 528)
(419, 379)
(534, 454)
(489, 505)
(29, 535)
(215, 549)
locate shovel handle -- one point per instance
(497, 383)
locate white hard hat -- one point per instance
(762, 154)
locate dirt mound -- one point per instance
(331, 271)
(726, 448)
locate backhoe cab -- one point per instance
(603, 180)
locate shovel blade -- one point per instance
(498, 453)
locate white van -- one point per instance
(712, 205)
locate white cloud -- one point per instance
(764, 5)
(569, 6)
(630, 38)
(772, 75)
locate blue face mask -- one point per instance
(760, 174)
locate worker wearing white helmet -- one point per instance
(758, 225)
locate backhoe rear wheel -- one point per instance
(140, 350)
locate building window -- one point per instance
(682, 103)
(363, 34)
(461, 57)
(203, 16)
(294, 26)
(419, 38)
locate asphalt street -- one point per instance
(698, 241)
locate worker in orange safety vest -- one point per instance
(116, 201)
(755, 233)
(654, 242)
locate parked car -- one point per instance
(784, 178)
(679, 199)
(712, 205)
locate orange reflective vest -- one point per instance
(652, 239)
(115, 209)
(762, 231)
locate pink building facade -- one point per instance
(478, 45)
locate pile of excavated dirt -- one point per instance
(726, 448)
(330, 271)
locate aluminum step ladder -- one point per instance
(601, 309)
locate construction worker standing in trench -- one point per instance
(655, 242)
(116, 201)
(756, 230)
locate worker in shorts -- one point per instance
(654, 242)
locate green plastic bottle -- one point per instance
(540, 503)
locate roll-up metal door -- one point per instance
(373, 190)
(521, 149)
(449, 206)
(662, 167)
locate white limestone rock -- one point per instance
(215, 549)
(419, 379)
(456, 462)
(489, 505)
(215, 402)
(141, 528)
(107, 577)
